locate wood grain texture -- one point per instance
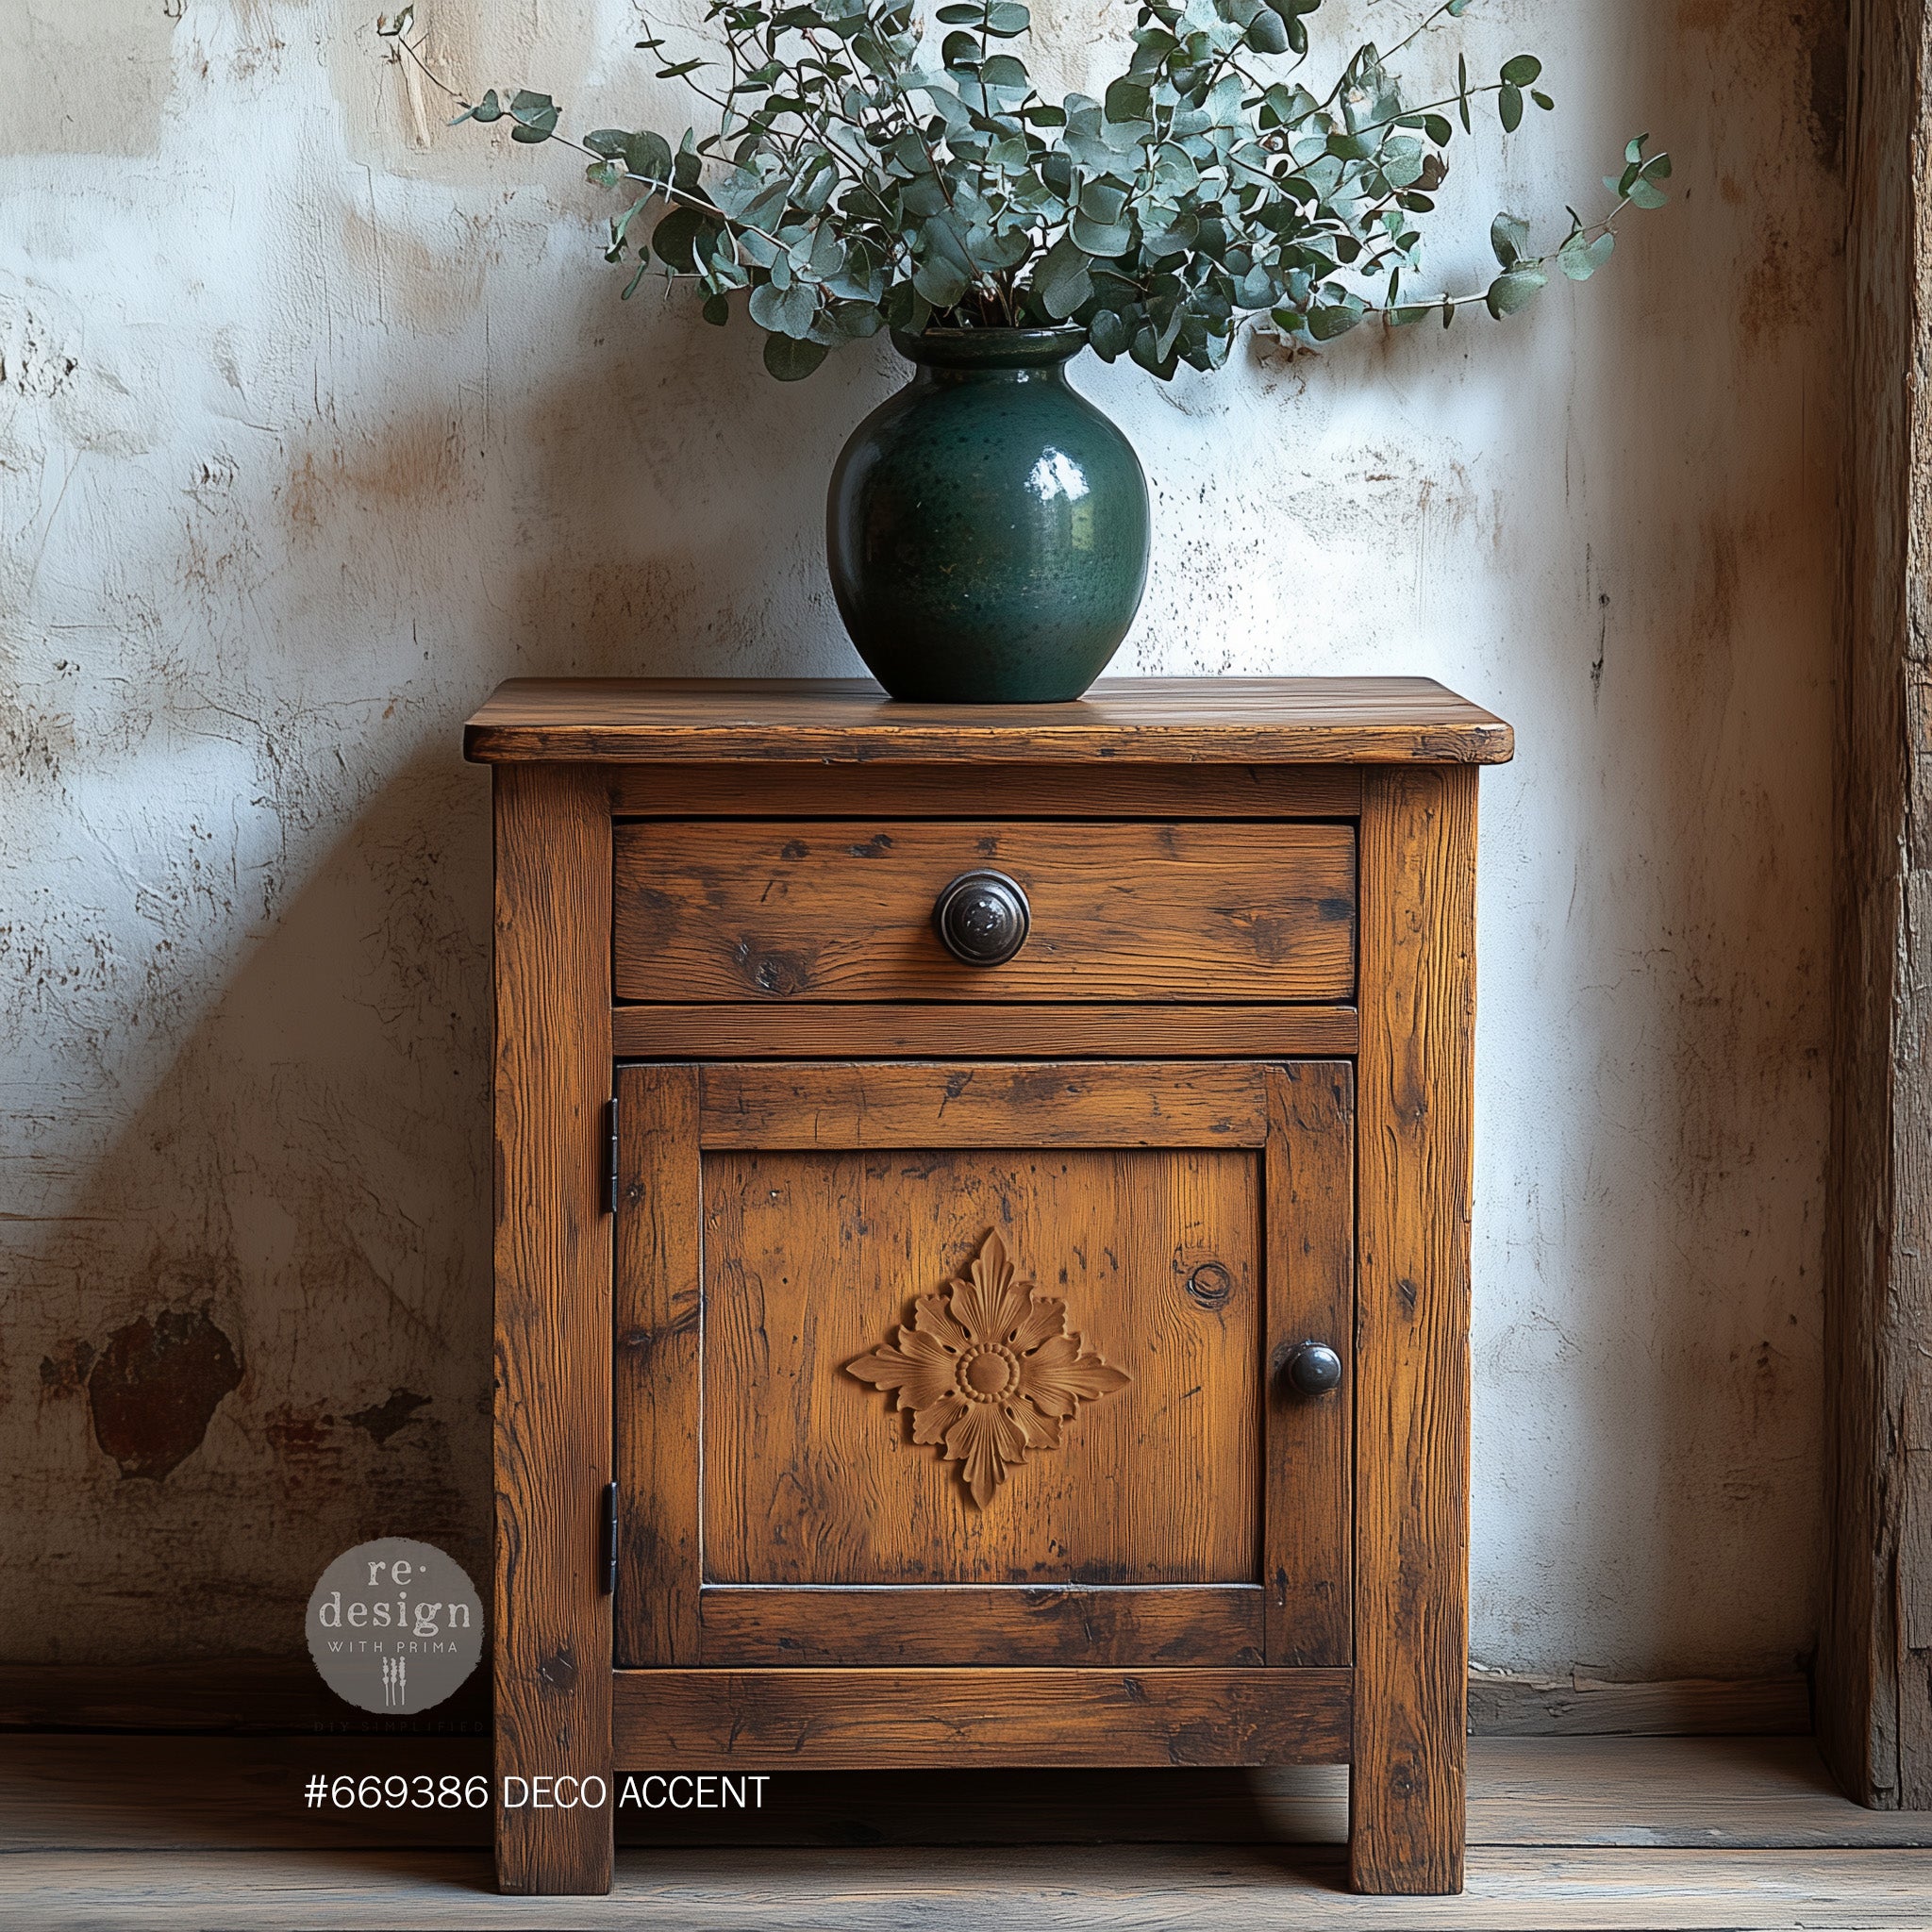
(861, 1718)
(1306, 1512)
(812, 1259)
(804, 910)
(1003, 792)
(1081, 1104)
(1507, 1705)
(253, 1696)
(1411, 1382)
(776, 1628)
(658, 1300)
(551, 1629)
(983, 1888)
(1875, 1658)
(1026, 1032)
(1231, 721)
(1741, 1793)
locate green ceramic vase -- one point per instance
(988, 527)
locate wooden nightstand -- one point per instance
(989, 1190)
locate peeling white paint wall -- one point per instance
(317, 420)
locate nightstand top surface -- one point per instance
(840, 721)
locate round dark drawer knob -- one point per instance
(1314, 1369)
(982, 918)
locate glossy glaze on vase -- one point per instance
(987, 527)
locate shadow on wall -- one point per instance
(674, 522)
(275, 1290)
(264, 1320)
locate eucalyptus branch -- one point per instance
(1449, 9)
(399, 35)
(669, 190)
(858, 186)
(1489, 87)
(1583, 251)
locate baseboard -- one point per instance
(244, 1696)
(1506, 1704)
(269, 1696)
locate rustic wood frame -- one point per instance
(861, 1720)
(1414, 1080)
(1298, 1613)
(551, 1627)
(1874, 1660)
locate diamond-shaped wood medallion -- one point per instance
(988, 1370)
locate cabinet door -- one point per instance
(982, 1364)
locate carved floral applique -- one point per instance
(988, 1370)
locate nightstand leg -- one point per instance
(551, 1631)
(1417, 1003)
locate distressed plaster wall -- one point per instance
(316, 419)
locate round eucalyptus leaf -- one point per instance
(1512, 291)
(789, 360)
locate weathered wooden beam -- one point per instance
(1506, 1704)
(1407, 1795)
(551, 1632)
(1874, 1663)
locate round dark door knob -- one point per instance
(982, 918)
(1314, 1369)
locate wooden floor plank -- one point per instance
(891, 1889)
(1736, 1792)
(1567, 1835)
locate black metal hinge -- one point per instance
(607, 1542)
(611, 1156)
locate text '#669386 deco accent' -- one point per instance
(988, 1370)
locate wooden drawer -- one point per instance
(842, 911)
